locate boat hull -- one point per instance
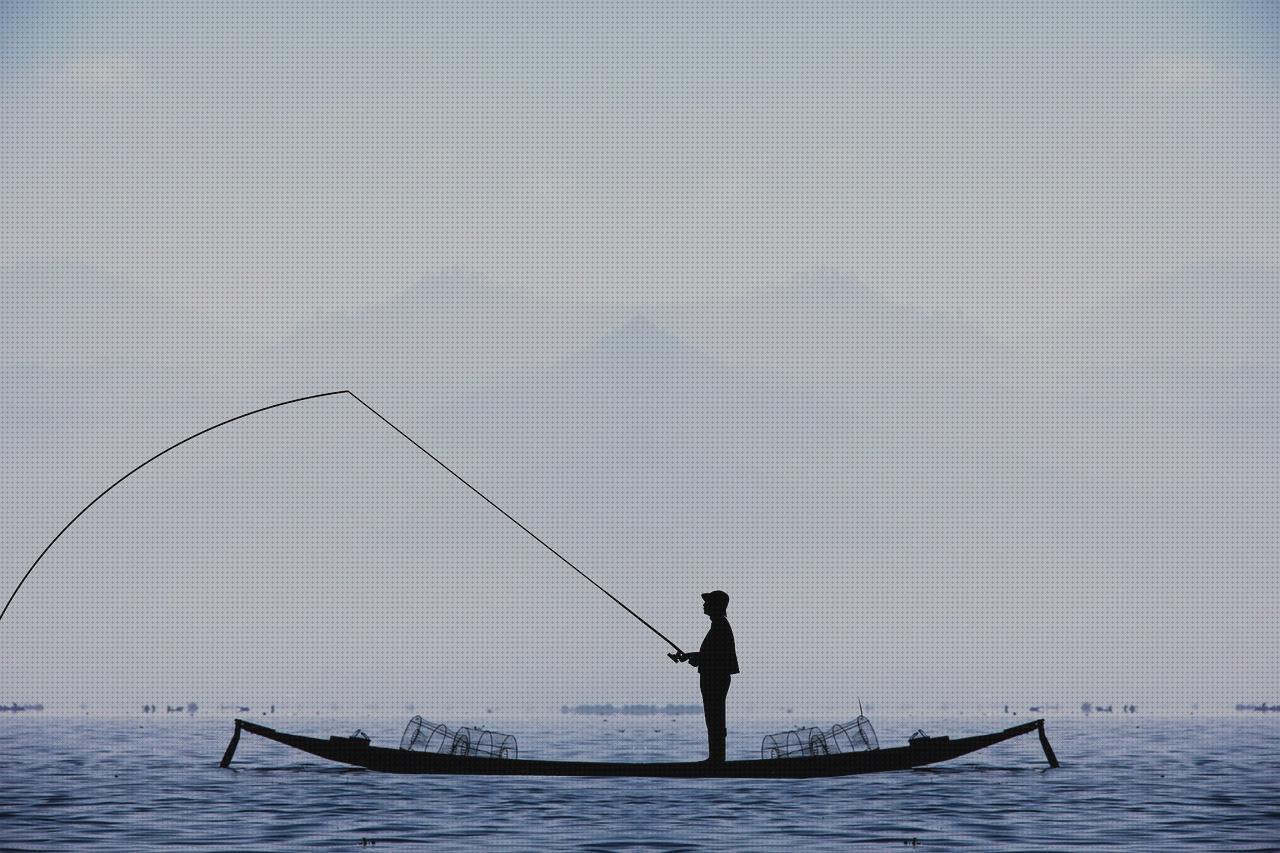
(360, 753)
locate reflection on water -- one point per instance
(1141, 782)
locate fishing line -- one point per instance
(380, 417)
(535, 536)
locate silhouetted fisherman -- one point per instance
(717, 663)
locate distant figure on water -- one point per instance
(717, 663)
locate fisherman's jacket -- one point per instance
(718, 656)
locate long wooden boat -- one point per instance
(360, 753)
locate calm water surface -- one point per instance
(1144, 783)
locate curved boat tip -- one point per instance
(231, 747)
(1044, 742)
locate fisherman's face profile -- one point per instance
(715, 603)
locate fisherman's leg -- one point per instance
(708, 713)
(719, 730)
(714, 692)
(716, 731)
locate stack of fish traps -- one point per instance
(424, 736)
(806, 742)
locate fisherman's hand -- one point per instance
(677, 657)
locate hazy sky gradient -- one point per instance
(642, 146)
(944, 340)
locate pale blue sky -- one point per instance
(642, 147)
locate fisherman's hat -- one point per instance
(716, 598)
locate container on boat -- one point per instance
(424, 736)
(485, 744)
(797, 743)
(857, 736)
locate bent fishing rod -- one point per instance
(403, 434)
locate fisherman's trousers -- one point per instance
(715, 688)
